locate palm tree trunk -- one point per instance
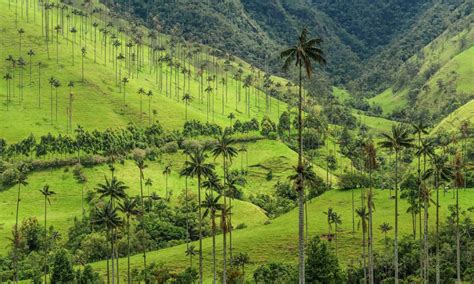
(371, 236)
(299, 188)
(15, 251)
(200, 230)
(438, 276)
(396, 219)
(129, 280)
(224, 250)
(214, 271)
(458, 242)
(46, 242)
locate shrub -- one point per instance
(62, 271)
(170, 147)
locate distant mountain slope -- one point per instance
(365, 47)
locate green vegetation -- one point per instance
(129, 152)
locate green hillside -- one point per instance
(90, 94)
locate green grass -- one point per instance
(453, 121)
(389, 101)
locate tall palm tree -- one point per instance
(363, 215)
(425, 150)
(129, 207)
(141, 167)
(166, 172)
(124, 82)
(108, 218)
(149, 94)
(73, 31)
(114, 189)
(186, 99)
(141, 92)
(303, 53)
(83, 53)
(385, 228)
(21, 180)
(398, 140)
(46, 194)
(224, 147)
(212, 206)
(31, 53)
(58, 29)
(370, 165)
(440, 171)
(191, 251)
(20, 34)
(196, 166)
(458, 178)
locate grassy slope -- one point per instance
(453, 121)
(389, 101)
(278, 240)
(98, 101)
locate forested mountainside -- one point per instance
(364, 48)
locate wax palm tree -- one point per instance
(73, 31)
(440, 171)
(166, 172)
(51, 84)
(124, 82)
(20, 34)
(149, 94)
(385, 228)
(58, 29)
(458, 178)
(303, 53)
(46, 194)
(31, 53)
(141, 167)
(8, 77)
(20, 180)
(370, 166)
(108, 218)
(191, 251)
(141, 92)
(231, 118)
(56, 85)
(211, 206)
(83, 53)
(398, 140)
(363, 215)
(224, 147)
(426, 150)
(129, 207)
(148, 184)
(337, 221)
(186, 99)
(196, 166)
(114, 189)
(329, 220)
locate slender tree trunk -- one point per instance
(396, 219)
(301, 244)
(438, 276)
(200, 230)
(371, 236)
(458, 241)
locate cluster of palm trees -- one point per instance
(172, 60)
(197, 166)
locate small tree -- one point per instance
(322, 265)
(62, 268)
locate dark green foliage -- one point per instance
(322, 265)
(353, 180)
(275, 273)
(87, 276)
(62, 271)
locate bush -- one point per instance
(322, 265)
(170, 147)
(62, 271)
(275, 273)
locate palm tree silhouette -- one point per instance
(440, 171)
(108, 218)
(46, 194)
(211, 205)
(141, 167)
(398, 140)
(166, 172)
(385, 228)
(186, 99)
(21, 180)
(224, 147)
(141, 92)
(190, 251)
(363, 215)
(129, 207)
(196, 166)
(302, 54)
(370, 166)
(149, 94)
